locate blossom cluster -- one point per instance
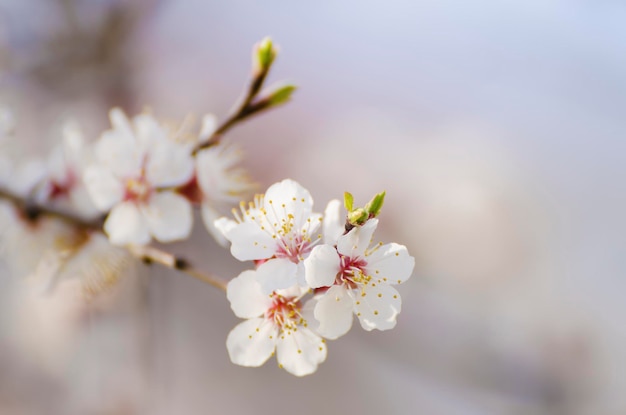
(312, 274)
(141, 174)
(91, 207)
(139, 181)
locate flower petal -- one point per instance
(334, 312)
(27, 176)
(225, 226)
(377, 306)
(169, 163)
(148, 130)
(209, 125)
(103, 187)
(277, 273)
(321, 266)
(288, 198)
(169, 216)
(250, 242)
(119, 153)
(391, 263)
(252, 342)
(126, 225)
(300, 352)
(333, 222)
(121, 123)
(245, 296)
(354, 243)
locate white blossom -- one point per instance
(275, 323)
(358, 279)
(221, 183)
(279, 230)
(137, 172)
(65, 167)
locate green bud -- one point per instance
(358, 216)
(348, 201)
(264, 55)
(281, 94)
(374, 206)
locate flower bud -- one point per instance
(263, 55)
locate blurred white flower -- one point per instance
(275, 322)
(279, 227)
(221, 183)
(23, 179)
(359, 280)
(138, 168)
(66, 164)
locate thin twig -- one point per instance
(151, 254)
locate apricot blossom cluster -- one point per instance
(297, 256)
(90, 208)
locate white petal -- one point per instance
(250, 242)
(74, 149)
(321, 266)
(120, 153)
(104, 188)
(285, 198)
(275, 274)
(300, 352)
(57, 165)
(354, 243)
(83, 203)
(148, 130)
(225, 226)
(378, 308)
(245, 296)
(27, 176)
(169, 216)
(334, 222)
(308, 314)
(391, 263)
(169, 163)
(210, 217)
(334, 312)
(252, 342)
(126, 225)
(209, 125)
(120, 122)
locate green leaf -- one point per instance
(348, 201)
(281, 94)
(374, 206)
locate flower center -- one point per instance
(137, 190)
(191, 190)
(285, 312)
(61, 189)
(351, 272)
(294, 247)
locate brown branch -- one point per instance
(151, 254)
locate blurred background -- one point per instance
(497, 129)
